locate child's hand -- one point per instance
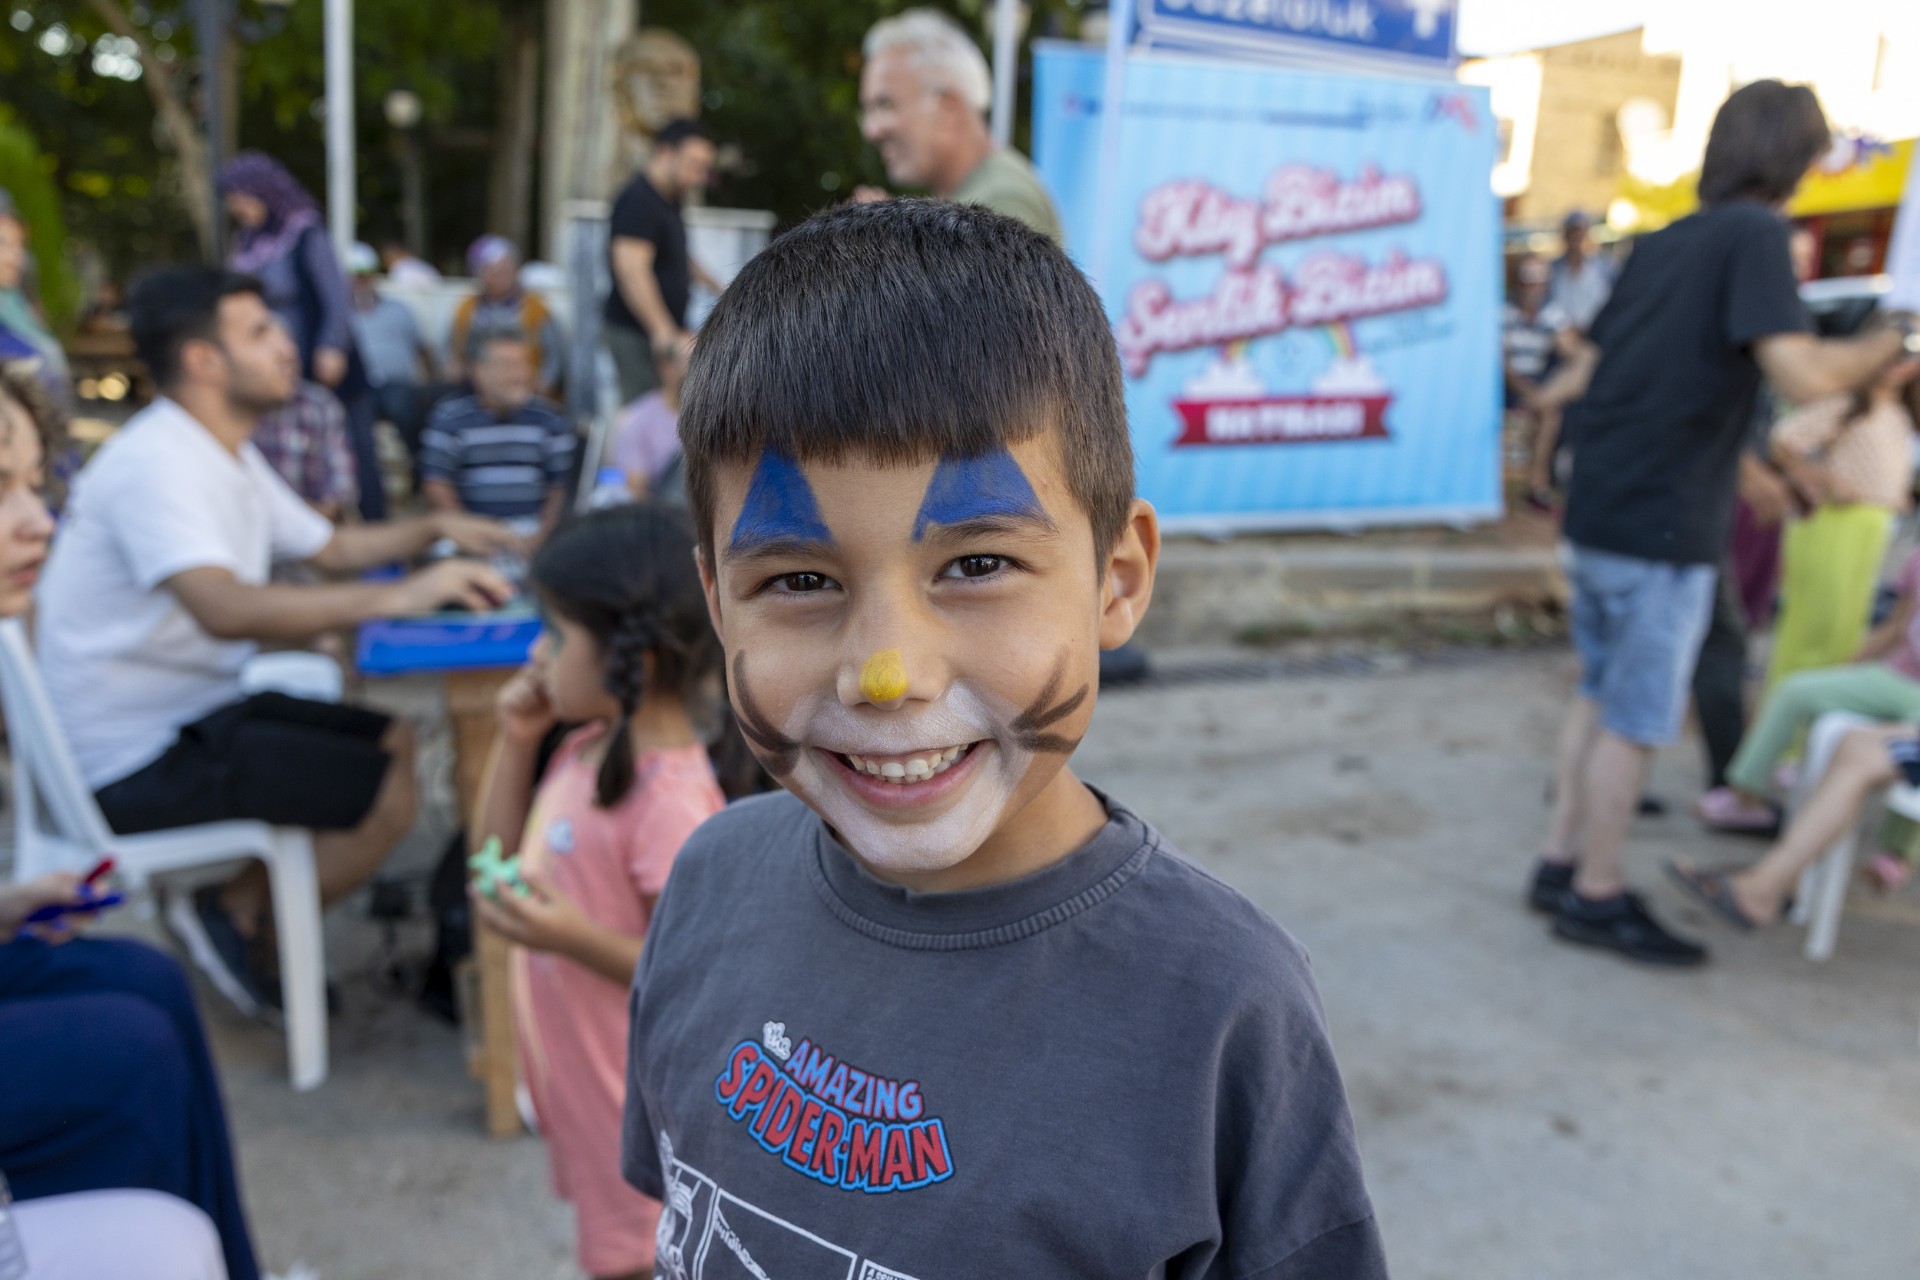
(545, 919)
(525, 713)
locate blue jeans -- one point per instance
(1637, 625)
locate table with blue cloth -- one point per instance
(475, 654)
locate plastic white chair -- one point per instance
(1822, 893)
(58, 826)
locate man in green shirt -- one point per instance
(924, 92)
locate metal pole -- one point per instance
(1105, 215)
(1006, 67)
(210, 23)
(339, 91)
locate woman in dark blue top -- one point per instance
(281, 239)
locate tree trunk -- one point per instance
(510, 189)
(577, 156)
(176, 122)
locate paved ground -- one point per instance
(1525, 1111)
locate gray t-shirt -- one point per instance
(1114, 1067)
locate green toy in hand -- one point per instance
(491, 872)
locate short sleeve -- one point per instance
(674, 812)
(635, 218)
(1294, 1204)
(1908, 583)
(440, 447)
(296, 531)
(640, 1162)
(168, 529)
(1762, 297)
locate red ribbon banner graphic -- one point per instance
(1282, 420)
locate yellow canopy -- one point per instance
(1875, 184)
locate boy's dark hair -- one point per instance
(627, 575)
(904, 330)
(1764, 138)
(678, 130)
(168, 307)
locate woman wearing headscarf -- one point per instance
(281, 239)
(23, 331)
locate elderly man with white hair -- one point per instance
(923, 101)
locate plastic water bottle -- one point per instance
(609, 489)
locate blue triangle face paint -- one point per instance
(779, 507)
(991, 484)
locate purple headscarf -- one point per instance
(290, 209)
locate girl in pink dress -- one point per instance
(626, 654)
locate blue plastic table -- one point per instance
(450, 642)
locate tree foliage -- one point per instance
(781, 81)
(28, 179)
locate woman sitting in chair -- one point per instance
(1866, 760)
(105, 1079)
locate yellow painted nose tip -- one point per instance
(883, 677)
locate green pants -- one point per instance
(1871, 689)
(1830, 568)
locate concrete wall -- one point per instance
(1578, 158)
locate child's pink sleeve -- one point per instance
(675, 807)
(1908, 583)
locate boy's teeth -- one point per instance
(910, 768)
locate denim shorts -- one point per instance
(1637, 625)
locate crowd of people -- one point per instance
(1668, 434)
(784, 784)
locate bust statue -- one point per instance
(656, 78)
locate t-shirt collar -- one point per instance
(988, 916)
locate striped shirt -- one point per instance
(502, 465)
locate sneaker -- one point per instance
(217, 949)
(1622, 923)
(1551, 881)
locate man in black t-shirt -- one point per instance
(646, 312)
(1703, 310)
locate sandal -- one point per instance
(1885, 872)
(1711, 890)
(1724, 809)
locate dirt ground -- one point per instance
(1526, 1111)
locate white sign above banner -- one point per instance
(1403, 35)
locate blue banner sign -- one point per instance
(1410, 33)
(1303, 279)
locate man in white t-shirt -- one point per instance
(157, 593)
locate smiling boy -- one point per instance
(942, 1009)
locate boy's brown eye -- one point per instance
(979, 566)
(804, 582)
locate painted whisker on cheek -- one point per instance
(782, 752)
(978, 488)
(1030, 725)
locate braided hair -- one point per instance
(626, 575)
